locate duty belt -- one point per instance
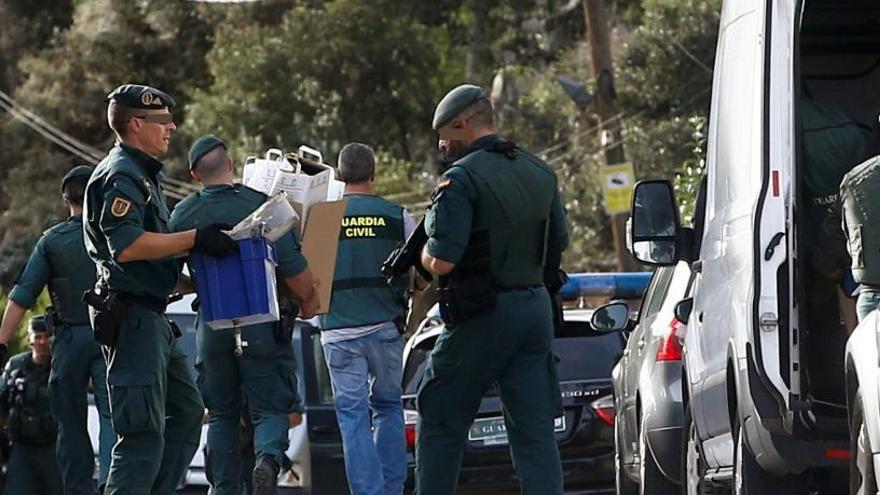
(518, 287)
(145, 302)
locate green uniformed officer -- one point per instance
(496, 217)
(26, 413)
(155, 406)
(859, 192)
(361, 334)
(60, 262)
(266, 370)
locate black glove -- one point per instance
(4, 349)
(211, 240)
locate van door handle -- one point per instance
(771, 247)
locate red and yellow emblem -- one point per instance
(120, 207)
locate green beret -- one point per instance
(80, 172)
(140, 96)
(38, 324)
(455, 102)
(201, 148)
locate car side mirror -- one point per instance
(683, 310)
(654, 228)
(612, 317)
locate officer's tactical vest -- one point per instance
(860, 193)
(72, 272)
(833, 144)
(30, 417)
(515, 193)
(371, 228)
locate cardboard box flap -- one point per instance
(320, 244)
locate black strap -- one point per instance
(359, 283)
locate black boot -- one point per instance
(265, 476)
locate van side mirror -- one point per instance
(653, 230)
(612, 317)
(683, 310)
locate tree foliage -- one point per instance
(280, 73)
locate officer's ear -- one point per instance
(195, 175)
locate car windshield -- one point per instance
(584, 354)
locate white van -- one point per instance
(764, 381)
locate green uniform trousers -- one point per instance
(155, 406)
(77, 358)
(264, 376)
(510, 346)
(32, 470)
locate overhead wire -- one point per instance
(174, 188)
(619, 115)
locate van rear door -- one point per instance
(774, 329)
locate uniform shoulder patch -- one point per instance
(120, 207)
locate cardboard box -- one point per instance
(320, 244)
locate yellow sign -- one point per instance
(617, 187)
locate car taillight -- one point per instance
(604, 408)
(410, 418)
(670, 345)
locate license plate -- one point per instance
(492, 431)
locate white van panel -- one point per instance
(778, 196)
(735, 170)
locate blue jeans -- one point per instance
(867, 302)
(365, 373)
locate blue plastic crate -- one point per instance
(239, 289)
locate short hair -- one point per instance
(480, 113)
(357, 163)
(118, 117)
(213, 163)
(75, 190)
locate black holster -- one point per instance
(462, 298)
(51, 318)
(106, 312)
(554, 280)
(286, 323)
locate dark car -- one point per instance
(585, 432)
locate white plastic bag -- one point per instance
(259, 173)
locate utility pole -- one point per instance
(606, 109)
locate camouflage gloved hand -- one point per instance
(213, 241)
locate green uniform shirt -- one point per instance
(60, 261)
(230, 204)
(123, 200)
(449, 221)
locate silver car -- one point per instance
(647, 385)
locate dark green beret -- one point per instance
(140, 96)
(38, 324)
(79, 172)
(201, 148)
(455, 102)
